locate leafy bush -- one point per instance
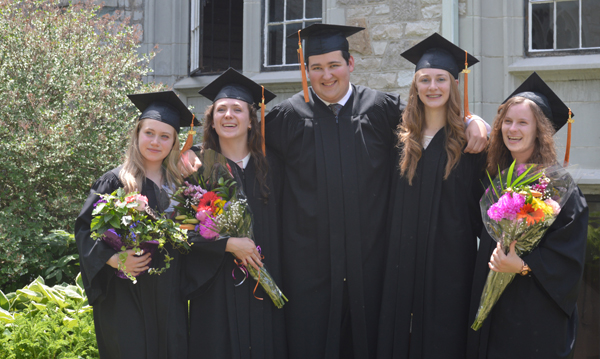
(39, 321)
(64, 118)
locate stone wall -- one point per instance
(391, 28)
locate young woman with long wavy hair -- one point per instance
(226, 320)
(147, 319)
(536, 316)
(434, 216)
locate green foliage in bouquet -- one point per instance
(64, 75)
(39, 321)
(508, 183)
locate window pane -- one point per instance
(590, 27)
(222, 35)
(294, 9)
(567, 25)
(276, 10)
(542, 20)
(314, 9)
(291, 44)
(275, 37)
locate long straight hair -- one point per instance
(410, 131)
(133, 174)
(211, 140)
(544, 151)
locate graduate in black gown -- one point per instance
(226, 321)
(536, 316)
(336, 144)
(147, 319)
(434, 215)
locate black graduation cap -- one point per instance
(438, 53)
(165, 107)
(232, 84)
(325, 38)
(536, 90)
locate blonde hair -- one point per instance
(544, 151)
(133, 175)
(410, 131)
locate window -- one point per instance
(563, 26)
(282, 18)
(216, 35)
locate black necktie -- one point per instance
(335, 108)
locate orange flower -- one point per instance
(531, 215)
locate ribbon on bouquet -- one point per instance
(243, 269)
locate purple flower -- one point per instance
(101, 200)
(507, 207)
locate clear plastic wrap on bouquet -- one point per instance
(226, 215)
(520, 204)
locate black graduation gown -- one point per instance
(143, 320)
(536, 316)
(227, 322)
(431, 257)
(334, 207)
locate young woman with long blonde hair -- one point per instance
(147, 319)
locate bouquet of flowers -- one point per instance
(213, 206)
(125, 221)
(520, 204)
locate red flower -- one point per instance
(207, 202)
(531, 216)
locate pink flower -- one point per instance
(206, 229)
(555, 207)
(201, 216)
(142, 201)
(507, 207)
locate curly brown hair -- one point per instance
(410, 131)
(211, 140)
(544, 151)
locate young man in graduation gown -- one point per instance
(336, 143)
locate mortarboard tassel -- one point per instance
(302, 68)
(262, 120)
(568, 150)
(466, 85)
(189, 142)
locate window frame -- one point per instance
(529, 52)
(265, 27)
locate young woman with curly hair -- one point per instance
(536, 316)
(227, 321)
(434, 216)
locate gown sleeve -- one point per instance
(557, 263)
(96, 274)
(202, 265)
(277, 124)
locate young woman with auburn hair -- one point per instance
(536, 315)
(434, 217)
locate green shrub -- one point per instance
(39, 321)
(64, 118)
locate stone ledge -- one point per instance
(559, 67)
(284, 79)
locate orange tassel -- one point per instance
(568, 150)
(302, 68)
(262, 120)
(466, 86)
(189, 142)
